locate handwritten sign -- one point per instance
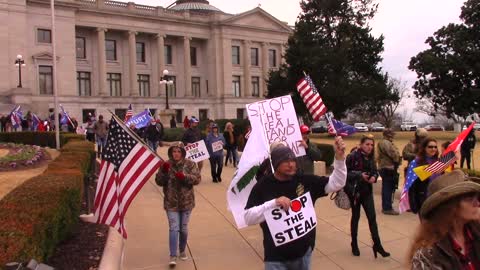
(278, 121)
(197, 151)
(217, 146)
(298, 221)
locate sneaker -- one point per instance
(183, 256)
(173, 261)
(390, 212)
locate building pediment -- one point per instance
(258, 18)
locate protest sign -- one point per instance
(197, 151)
(278, 121)
(140, 120)
(298, 221)
(217, 146)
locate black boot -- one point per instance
(355, 250)
(378, 248)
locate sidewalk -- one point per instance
(216, 243)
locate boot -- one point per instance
(355, 250)
(378, 248)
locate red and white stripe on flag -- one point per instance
(126, 166)
(311, 98)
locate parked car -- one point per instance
(360, 127)
(408, 126)
(475, 127)
(377, 127)
(434, 127)
(319, 127)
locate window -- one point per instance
(196, 86)
(193, 56)
(240, 113)
(83, 83)
(172, 89)
(44, 36)
(111, 49)
(140, 52)
(45, 80)
(272, 58)
(80, 47)
(203, 114)
(121, 113)
(87, 114)
(143, 85)
(236, 55)
(255, 86)
(254, 56)
(179, 117)
(115, 83)
(236, 86)
(168, 54)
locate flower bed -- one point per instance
(22, 156)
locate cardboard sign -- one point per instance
(277, 120)
(197, 151)
(298, 221)
(217, 146)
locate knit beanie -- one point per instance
(281, 153)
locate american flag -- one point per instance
(411, 176)
(16, 117)
(311, 98)
(126, 166)
(129, 113)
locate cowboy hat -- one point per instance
(445, 188)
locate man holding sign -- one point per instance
(289, 232)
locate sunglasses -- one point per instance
(432, 147)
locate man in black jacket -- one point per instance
(153, 134)
(467, 147)
(277, 190)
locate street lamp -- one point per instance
(19, 62)
(164, 80)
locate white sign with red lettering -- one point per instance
(197, 151)
(298, 221)
(217, 146)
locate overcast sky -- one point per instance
(404, 23)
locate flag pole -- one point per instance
(54, 71)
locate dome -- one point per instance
(196, 5)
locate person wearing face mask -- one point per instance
(312, 153)
(362, 173)
(448, 236)
(277, 190)
(427, 154)
(177, 176)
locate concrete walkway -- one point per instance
(215, 242)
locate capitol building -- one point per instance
(111, 54)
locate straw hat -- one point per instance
(445, 188)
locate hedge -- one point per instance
(40, 213)
(328, 153)
(39, 138)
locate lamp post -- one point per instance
(19, 62)
(164, 80)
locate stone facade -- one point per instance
(139, 37)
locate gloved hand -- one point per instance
(180, 175)
(166, 167)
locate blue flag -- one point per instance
(16, 117)
(338, 128)
(140, 120)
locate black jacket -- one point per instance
(191, 135)
(357, 163)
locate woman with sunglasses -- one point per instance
(449, 233)
(427, 154)
(361, 174)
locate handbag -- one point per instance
(341, 199)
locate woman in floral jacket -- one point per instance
(177, 176)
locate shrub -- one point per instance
(328, 153)
(472, 173)
(41, 212)
(173, 134)
(39, 138)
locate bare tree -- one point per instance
(398, 89)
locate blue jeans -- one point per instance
(232, 153)
(302, 263)
(388, 186)
(178, 228)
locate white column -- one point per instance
(160, 62)
(188, 66)
(264, 68)
(102, 63)
(132, 64)
(247, 80)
